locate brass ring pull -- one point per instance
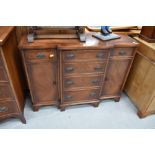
(70, 56)
(122, 53)
(40, 55)
(98, 68)
(69, 69)
(100, 55)
(95, 81)
(3, 109)
(68, 97)
(69, 82)
(93, 94)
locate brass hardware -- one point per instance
(51, 55)
(122, 53)
(68, 97)
(95, 81)
(69, 82)
(40, 55)
(98, 68)
(70, 55)
(3, 109)
(100, 55)
(69, 69)
(93, 94)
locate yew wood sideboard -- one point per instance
(66, 72)
(11, 76)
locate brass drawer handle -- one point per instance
(51, 56)
(70, 56)
(40, 55)
(100, 55)
(98, 68)
(122, 53)
(68, 97)
(93, 94)
(69, 69)
(3, 109)
(69, 82)
(95, 81)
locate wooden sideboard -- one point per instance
(140, 85)
(11, 81)
(66, 72)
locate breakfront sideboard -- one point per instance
(65, 72)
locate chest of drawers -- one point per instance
(65, 72)
(11, 86)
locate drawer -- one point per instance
(122, 52)
(84, 81)
(3, 75)
(85, 55)
(82, 95)
(7, 107)
(5, 91)
(40, 55)
(84, 67)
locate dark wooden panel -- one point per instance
(43, 82)
(148, 33)
(20, 31)
(116, 73)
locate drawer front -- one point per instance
(5, 91)
(84, 81)
(82, 95)
(40, 55)
(3, 75)
(84, 67)
(7, 107)
(85, 55)
(122, 52)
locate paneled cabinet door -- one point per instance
(116, 75)
(43, 81)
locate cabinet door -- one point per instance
(43, 82)
(115, 77)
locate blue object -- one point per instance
(106, 30)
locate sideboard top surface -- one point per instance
(91, 42)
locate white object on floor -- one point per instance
(109, 114)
